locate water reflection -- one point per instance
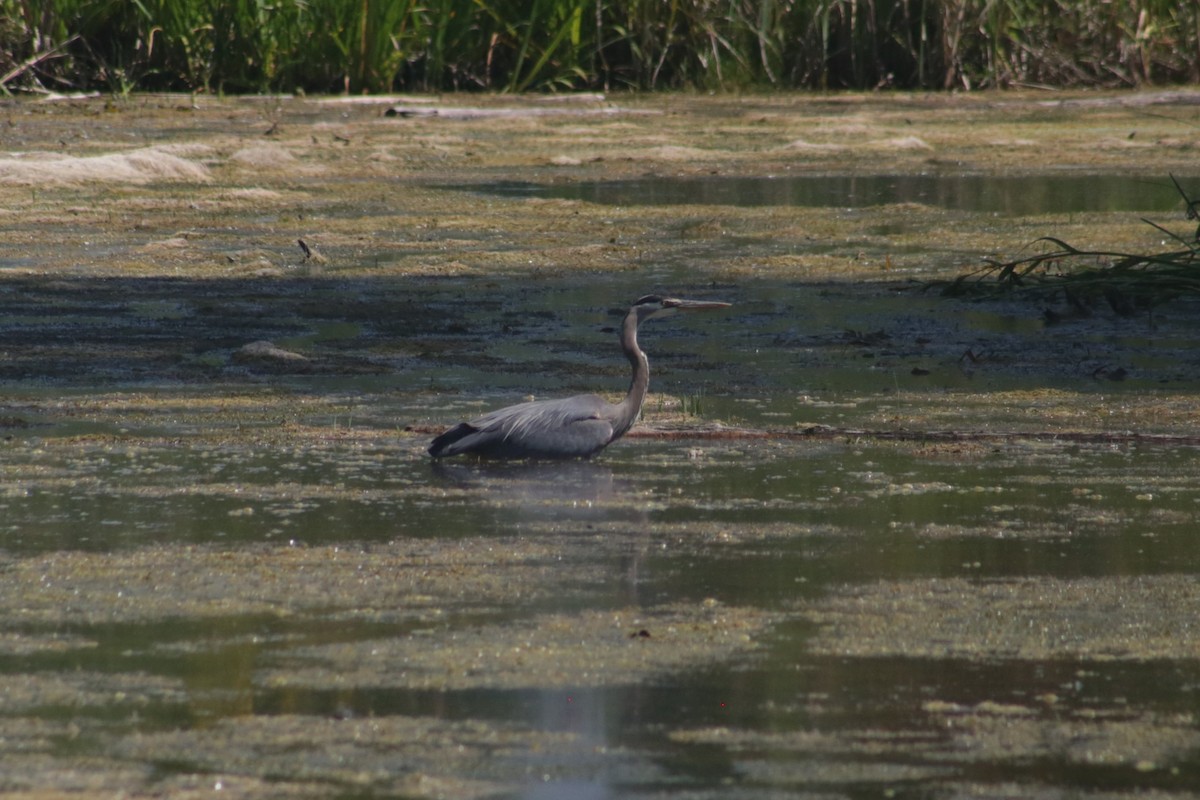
(562, 499)
(568, 491)
(1012, 195)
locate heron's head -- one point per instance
(653, 305)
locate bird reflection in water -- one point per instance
(570, 499)
(543, 490)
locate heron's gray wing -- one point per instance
(575, 427)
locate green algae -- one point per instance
(1141, 618)
(621, 646)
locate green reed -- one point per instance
(519, 45)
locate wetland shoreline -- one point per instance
(226, 553)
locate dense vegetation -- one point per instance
(515, 45)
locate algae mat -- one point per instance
(865, 541)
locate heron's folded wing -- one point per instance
(568, 428)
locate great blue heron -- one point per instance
(574, 427)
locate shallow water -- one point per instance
(193, 588)
(780, 528)
(1008, 195)
(214, 575)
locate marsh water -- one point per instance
(866, 541)
(185, 666)
(994, 194)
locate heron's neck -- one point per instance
(629, 408)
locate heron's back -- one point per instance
(574, 427)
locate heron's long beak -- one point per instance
(693, 305)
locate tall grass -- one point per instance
(519, 45)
